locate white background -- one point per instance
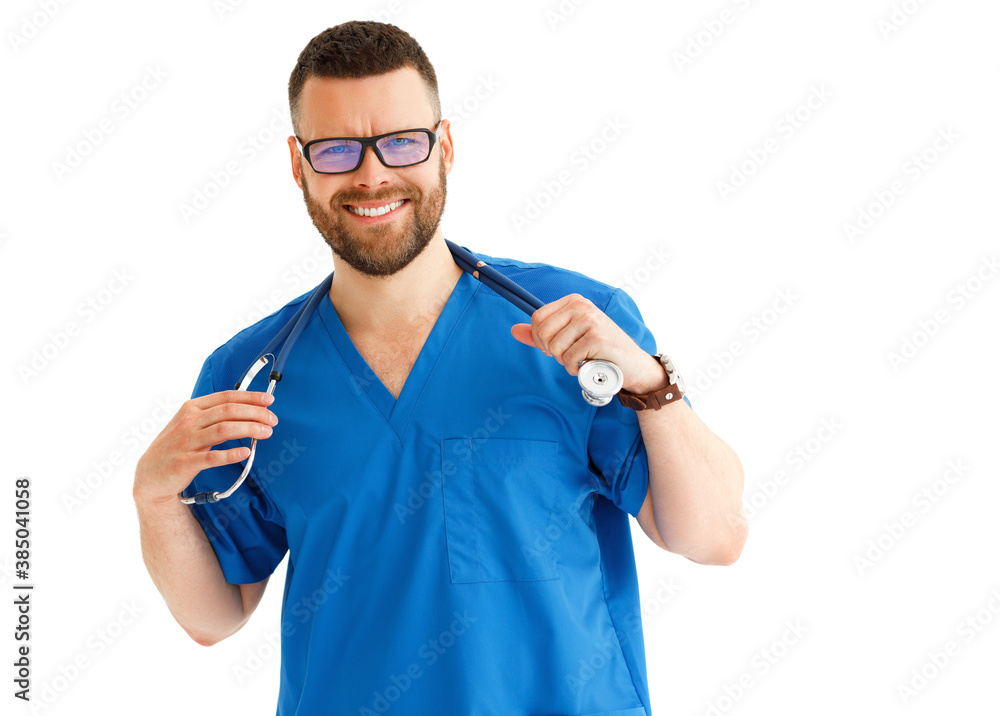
(893, 78)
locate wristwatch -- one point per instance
(658, 398)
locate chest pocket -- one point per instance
(498, 497)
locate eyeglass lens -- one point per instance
(400, 149)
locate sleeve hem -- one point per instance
(632, 498)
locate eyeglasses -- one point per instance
(395, 149)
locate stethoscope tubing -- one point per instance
(290, 332)
(468, 261)
(310, 306)
(494, 279)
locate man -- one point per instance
(453, 510)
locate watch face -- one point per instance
(674, 376)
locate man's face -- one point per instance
(381, 245)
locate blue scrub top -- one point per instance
(463, 549)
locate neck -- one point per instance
(371, 306)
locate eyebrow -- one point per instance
(402, 128)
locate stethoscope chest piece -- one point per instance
(600, 381)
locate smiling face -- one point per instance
(412, 198)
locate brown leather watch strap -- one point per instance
(653, 400)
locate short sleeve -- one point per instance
(245, 529)
(614, 444)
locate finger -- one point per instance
(215, 458)
(549, 308)
(218, 433)
(235, 412)
(549, 336)
(251, 397)
(192, 408)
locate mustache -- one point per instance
(357, 198)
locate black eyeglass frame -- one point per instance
(371, 142)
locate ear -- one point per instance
(447, 147)
(296, 161)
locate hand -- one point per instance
(572, 329)
(184, 447)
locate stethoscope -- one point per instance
(600, 380)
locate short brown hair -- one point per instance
(358, 49)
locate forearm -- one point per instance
(186, 571)
(696, 486)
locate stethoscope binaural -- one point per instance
(599, 379)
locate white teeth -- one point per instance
(375, 212)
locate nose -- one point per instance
(372, 172)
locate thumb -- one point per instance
(522, 332)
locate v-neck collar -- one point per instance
(397, 411)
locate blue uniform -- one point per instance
(463, 549)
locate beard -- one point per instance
(379, 249)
